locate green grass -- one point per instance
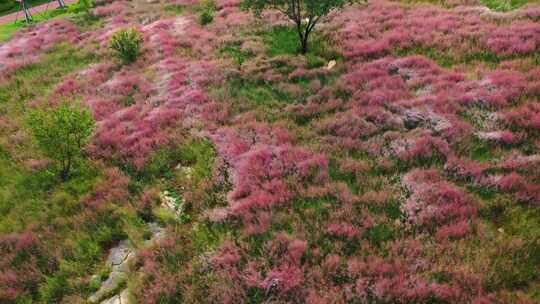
(517, 266)
(8, 29)
(506, 5)
(23, 193)
(283, 40)
(175, 9)
(39, 201)
(499, 5)
(233, 51)
(11, 6)
(449, 60)
(37, 79)
(257, 94)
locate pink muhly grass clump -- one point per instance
(421, 147)
(183, 2)
(227, 257)
(390, 280)
(453, 230)
(343, 230)
(116, 8)
(69, 86)
(519, 38)
(368, 48)
(26, 46)
(96, 74)
(503, 137)
(234, 141)
(230, 16)
(434, 203)
(133, 133)
(112, 189)
(126, 84)
(283, 279)
(383, 26)
(519, 161)
(517, 184)
(346, 124)
(19, 267)
(525, 116)
(228, 3)
(263, 176)
(465, 168)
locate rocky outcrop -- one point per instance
(118, 260)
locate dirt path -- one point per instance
(33, 10)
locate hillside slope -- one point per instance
(397, 162)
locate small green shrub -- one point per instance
(54, 288)
(208, 5)
(62, 133)
(81, 6)
(206, 17)
(127, 44)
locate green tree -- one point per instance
(62, 132)
(304, 13)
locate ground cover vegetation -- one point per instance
(396, 161)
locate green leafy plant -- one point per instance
(206, 17)
(127, 44)
(207, 14)
(81, 6)
(62, 133)
(304, 13)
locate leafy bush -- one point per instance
(127, 44)
(81, 6)
(206, 17)
(62, 133)
(8, 6)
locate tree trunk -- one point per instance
(304, 45)
(64, 174)
(26, 12)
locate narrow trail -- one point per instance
(33, 10)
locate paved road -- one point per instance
(51, 5)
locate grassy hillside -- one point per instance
(10, 6)
(398, 161)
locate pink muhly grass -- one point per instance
(344, 230)
(25, 47)
(465, 168)
(283, 279)
(454, 230)
(435, 203)
(114, 9)
(525, 116)
(111, 190)
(523, 190)
(346, 124)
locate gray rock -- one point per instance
(122, 298)
(119, 253)
(114, 300)
(119, 259)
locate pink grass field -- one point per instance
(407, 173)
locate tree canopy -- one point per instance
(62, 132)
(304, 13)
